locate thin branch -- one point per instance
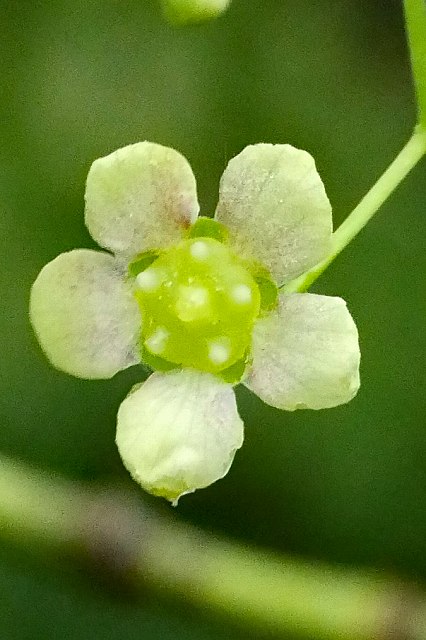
(405, 161)
(257, 588)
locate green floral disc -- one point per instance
(198, 305)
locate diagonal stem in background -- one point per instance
(265, 591)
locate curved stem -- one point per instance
(260, 589)
(408, 157)
(415, 19)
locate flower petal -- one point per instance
(178, 432)
(140, 197)
(274, 204)
(306, 354)
(84, 314)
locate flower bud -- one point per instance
(187, 11)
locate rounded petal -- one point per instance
(140, 197)
(274, 204)
(178, 432)
(306, 354)
(84, 314)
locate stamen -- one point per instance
(192, 303)
(199, 250)
(219, 352)
(148, 280)
(156, 343)
(241, 294)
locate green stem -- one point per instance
(36, 509)
(408, 157)
(415, 18)
(260, 589)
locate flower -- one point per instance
(197, 299)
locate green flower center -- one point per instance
(198, 305)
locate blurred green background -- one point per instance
(80, 79)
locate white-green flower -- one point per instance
(198, 301)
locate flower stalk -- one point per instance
(405, 161)
(409, 156)
(415, 18)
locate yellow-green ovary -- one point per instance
(198, 305)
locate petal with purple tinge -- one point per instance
(305, 354)
(84, 314)
(274, 204)
(140, 197)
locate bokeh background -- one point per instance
(80, 79)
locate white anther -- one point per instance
(219, 352)
(157, 341)
(148, 280)
(195, 296)
(241, 294)
(199, 250)
(191, 302)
